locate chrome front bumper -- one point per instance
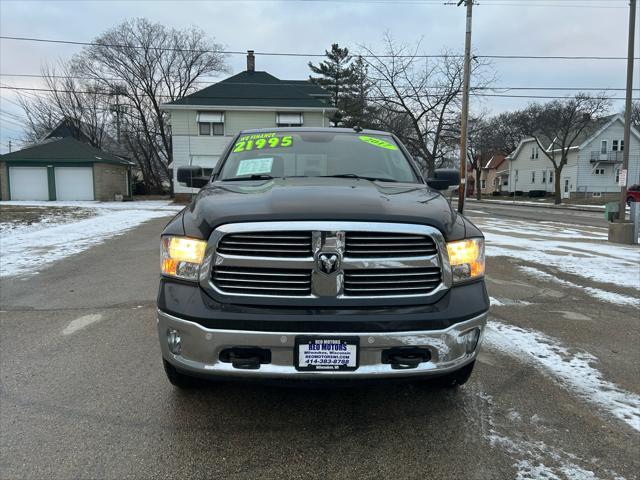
(201, 347)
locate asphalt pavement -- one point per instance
(83, 394)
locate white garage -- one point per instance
(29, 183)
(74, 183)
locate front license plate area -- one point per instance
(326, 353)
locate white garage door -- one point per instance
(74, 183)
(28, 183)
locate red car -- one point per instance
(633, 194)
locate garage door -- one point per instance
(74, 183)
(28, 183)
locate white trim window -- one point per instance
(483, 184)
(533, 177)
(596, 194)
(535, 152)
(617, 175)
(603, 146)
(210, 123)
(550, 176)
(544, 176)
(295, 119)
(598, 171)
(617, 145)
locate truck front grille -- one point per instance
(386, 245)
(388, 282)
(325, 262)
(262, 281)
(267, 244)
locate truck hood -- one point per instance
(316, 198)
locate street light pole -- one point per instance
(462, 190)
(627, 114)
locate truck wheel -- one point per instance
(457, 378)
(176, 378)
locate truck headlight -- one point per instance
(181, 257)
(466, 258)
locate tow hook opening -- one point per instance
(246, 358)
(405, 357)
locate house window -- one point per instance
(534, 152)
(211, 123)
(603, 146)
(544, 176)
(617, 175)
(598, 171)
(483, 184)
(550, 176)
(289, 119)
(533, 177)
(597, 194)
(617, 143)
(516, 175)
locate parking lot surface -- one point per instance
(555, 393)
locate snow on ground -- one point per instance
(573, 369)
(615, 298)
(27, 248)
(580, 251)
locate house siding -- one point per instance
(525, 165)
(190, 148)
(588, 182)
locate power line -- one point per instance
(294, 54)
(284, 83)
(35, 89)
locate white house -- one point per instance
(203, 123)
(593, 166)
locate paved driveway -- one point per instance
(84, 395)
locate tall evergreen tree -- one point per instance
(336, 75)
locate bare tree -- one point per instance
(79, 103)
(559, 124)
(148, 64)
(424, 92)
(635, 115)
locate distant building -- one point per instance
(593, 168)
(63, 169)
(491, 181)
(203, 123)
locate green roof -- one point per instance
(256, 89)
(68, 150)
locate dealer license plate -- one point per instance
(328, 353)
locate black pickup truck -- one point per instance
(320, 253)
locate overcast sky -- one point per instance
(500, 27)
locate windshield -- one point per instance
(317, 154)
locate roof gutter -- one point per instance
(248, 108)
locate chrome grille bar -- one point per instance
(385, 245)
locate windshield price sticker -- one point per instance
(327, 354)
(254, 166)
(377, 142)
(259, 141)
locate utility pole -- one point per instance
(627, 114)
(118, 109)
(9, 146)
(462, 190)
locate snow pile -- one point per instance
(573, 369)
(26, 249)
(570, 250)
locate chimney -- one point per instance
(251, 61)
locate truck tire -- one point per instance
(176, 378)
(457, 378)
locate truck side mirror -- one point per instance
(192, 176)
(444, 178)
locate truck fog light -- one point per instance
(174, 341)
(471, 340)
